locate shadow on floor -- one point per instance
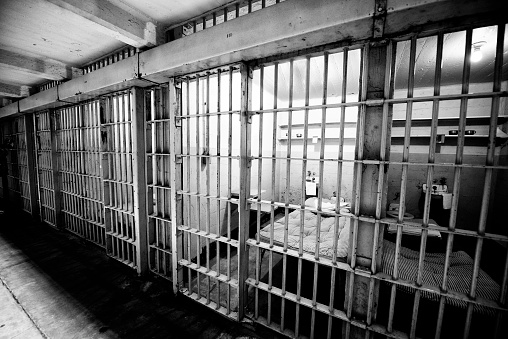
(77, 280)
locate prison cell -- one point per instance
(209, 125)
(117, 177)
(159, 182)
(336, 192)
(285, 298)
(462, 100)
(303, 142)
(78, 135)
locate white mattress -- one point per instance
(310, 233)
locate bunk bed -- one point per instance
(459, 271)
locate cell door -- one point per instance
(305, 113)
(79, 162)
(45, 179)
(208, 157)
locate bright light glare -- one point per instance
(476, 54)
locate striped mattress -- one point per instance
(459, 274)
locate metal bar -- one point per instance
(37, 141)
(381, 101)
(287, 188)
(460, 144)
(198, 185)
(175, 135)
(230, 150)
(498, 68)
(379, 162)
(302, 212)
(368, 146)
(273, 197)
(189, 198)
(53, 123)
(206, 111)
(353, 238)
(402, 208)
(244, 207)
(31, 165)
(258, 207)
(218, 184)
(432, 149)
(105, 108)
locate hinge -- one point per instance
(249, 116)
(178, 121)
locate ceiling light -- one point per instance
(476, 53)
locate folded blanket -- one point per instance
(310, 221)
(327, 205)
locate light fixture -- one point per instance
(476, 53)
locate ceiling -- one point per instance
(42, 40)
(45, 40)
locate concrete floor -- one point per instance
(55, 285)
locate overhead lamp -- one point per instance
(476, 53)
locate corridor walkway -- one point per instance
(55, 285)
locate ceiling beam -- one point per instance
(285, 28)
(113, 21)
(13, 91)
(46, 69)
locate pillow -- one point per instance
(327, 205)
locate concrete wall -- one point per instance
(472, 180)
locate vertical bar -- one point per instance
(53, 124)
(230, 150)
(286, 195)
(493, 122)
(218, 187)
(40, 185)
(274, 169)
(198, 190)
(206, 103)
(176, 171)
(189, 199)
(432, 150)
(393, 291)
(259, 182)
(244, 205)
(31, 165)
(405, 158)
(302, 199)
(362, 300)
